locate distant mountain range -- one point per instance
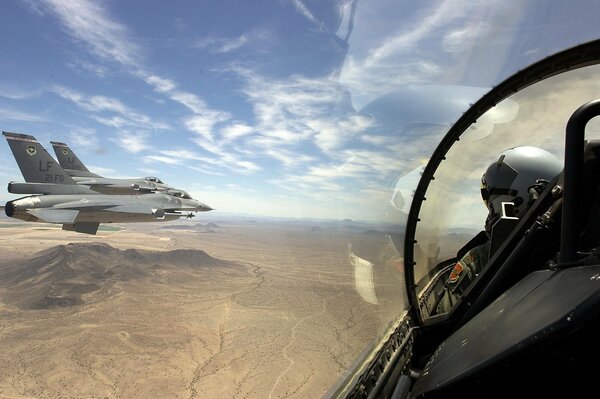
(198, 226)
(61, 275)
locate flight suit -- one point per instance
(461, 276)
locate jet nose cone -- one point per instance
(203, 207)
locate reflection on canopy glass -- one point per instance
(535, 116)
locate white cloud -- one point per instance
(84, 137)
(14, 115)
(89, 67)
(219, 45)
(10, 91)
(102, 171)
(301, 110)
(461, 39)
(89, 23)
(163, 159)
(133, 142)
(102, 105)
(289, 158)
(233, 44)
(203, 124)
(148, 171)
(160, 84)
(379, 62)
(236, 130)
(195, 161)
(301, 7)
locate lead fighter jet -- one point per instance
(84, 212)
(26, 148)
(59, 199)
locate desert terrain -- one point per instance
(223, 308)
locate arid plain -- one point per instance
(232, 309)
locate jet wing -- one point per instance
(95, 205)
(55, 215)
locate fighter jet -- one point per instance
(80, 173)
(60, 199)
(38, 166)
(83, 213)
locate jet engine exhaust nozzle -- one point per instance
(9, 209)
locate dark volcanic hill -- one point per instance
(61, 275)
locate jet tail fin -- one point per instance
(82, 227)
(37, 166)
(69, 161)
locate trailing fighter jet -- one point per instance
(80, 173)
(38, 166)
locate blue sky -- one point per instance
(279, 108)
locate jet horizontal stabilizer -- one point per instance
(82, 227)
(55, 215)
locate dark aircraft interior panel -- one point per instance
(545, 306)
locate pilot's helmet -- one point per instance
(509, 178)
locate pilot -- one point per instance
(518, 177)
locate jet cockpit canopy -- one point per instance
(153, 179)
(179, 194)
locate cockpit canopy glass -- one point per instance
(153, 179)
(453, 211)
(179, 194)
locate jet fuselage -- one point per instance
(101, 208)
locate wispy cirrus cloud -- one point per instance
(86, 67)
(84, 137)
(89, 23)
(122, 116)
(235, 130)
(192, 160)
(13, 92)
(303, 9)
(220, 45)
(17, 115)
(459, 40)
(377, 65)
(133, 142)
(301, 109)
(102, 171)
(362, 167)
